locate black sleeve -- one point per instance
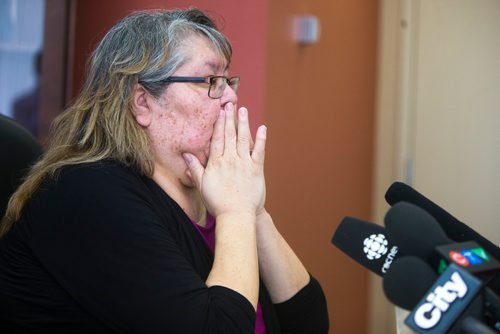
(104, 244)
(306, 312)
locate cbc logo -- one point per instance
(375, 246)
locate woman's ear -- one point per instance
(140, 104)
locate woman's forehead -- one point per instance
(202, 51)
(216, 66)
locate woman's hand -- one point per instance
(233, 180)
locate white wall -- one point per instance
(438, 113)
(457, 110)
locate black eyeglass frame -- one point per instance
(210, 80)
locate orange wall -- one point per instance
(320, 114)
(318, 104)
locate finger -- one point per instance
(217, 141)
(195, 169)
(259, 149)
(244, 136)
(229, 129)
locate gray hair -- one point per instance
(147, 44)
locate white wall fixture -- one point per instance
(306, 29)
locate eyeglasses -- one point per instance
(217, 83)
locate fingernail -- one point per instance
(243, 112)
(187, 157)
(263, 130)
(229, 106)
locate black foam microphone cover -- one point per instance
(414, 230)
(454, 229)
(407, 281)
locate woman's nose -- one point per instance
(229, 95)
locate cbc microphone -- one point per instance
(418, 233)
(366, 243)
(451, 303)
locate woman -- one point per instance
(114, 229)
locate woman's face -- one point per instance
(184, 115)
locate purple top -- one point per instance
(208, 234)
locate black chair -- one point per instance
(19, 149)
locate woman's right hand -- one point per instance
(233, 180)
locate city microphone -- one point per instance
(366, 243)
(418, 233)
(451, 303)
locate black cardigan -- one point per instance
(103, 249)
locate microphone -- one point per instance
(407, 281)
(450, 303)
(418, 233)
(455, 229)
(366, 243)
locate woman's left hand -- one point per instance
(233, 180)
